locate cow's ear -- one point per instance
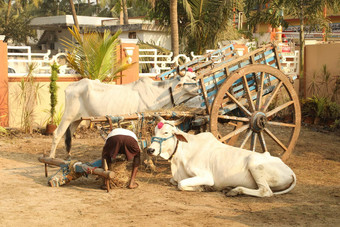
(179, 86)
(180, 137)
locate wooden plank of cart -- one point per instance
(246, 101)
(71, 170)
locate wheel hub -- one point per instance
(258, 121)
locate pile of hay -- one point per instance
(122, 174)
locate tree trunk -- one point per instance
(74, 14)
(302, 52)
(324, 29)
(8, 11)
(174, 27)
(125, 12)
(121, 17)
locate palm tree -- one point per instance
(173, 20)
(8, 11)
(94, 55)
(125, 12)
(174, 27)
(74, 14)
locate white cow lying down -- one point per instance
(201, 160)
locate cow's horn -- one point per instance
(179, 121)
(181, 73)
(159, 118)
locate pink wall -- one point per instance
(3, 85)
(132, 73)
(315, 57)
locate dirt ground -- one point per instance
(27, 200)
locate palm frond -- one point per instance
(93, 55)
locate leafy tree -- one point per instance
(135, 8)
(138, 8)
(264, 12)
(210, 20)
(63, 7)
(93, 56)
(15, 24)
(309, 12)
(202, 23)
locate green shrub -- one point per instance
(320, 107)
(53, 90)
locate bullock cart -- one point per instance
(245, 101)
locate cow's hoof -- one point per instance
(190, 188)
(173, 182)
(233, 192)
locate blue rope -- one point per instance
(174, 114)
(115, 119)
(160, 140)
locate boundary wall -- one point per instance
(316, 56)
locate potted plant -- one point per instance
(51, 124)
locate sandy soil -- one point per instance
(27, 200)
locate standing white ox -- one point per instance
(201, 160)
(87, 98)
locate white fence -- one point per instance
(290, 63)
(294, 35)
(20, 57)
(151, 62)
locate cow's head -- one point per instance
(186, 87)
(166, 138)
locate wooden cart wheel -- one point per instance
(257, 103)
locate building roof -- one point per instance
(66, 21)
(94, 23)
(131, 27)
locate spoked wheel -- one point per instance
(258, 109)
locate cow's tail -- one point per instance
(68, 140)
(289, 188)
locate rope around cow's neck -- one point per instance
(173, 153)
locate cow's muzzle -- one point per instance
(150, 151)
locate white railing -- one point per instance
(151, 62)
(20, 57)
(318, 36)
(290, 63)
